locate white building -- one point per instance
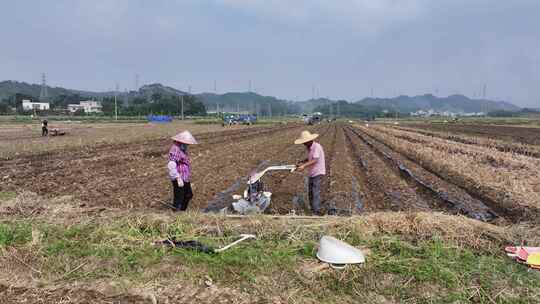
(89, 106)
(28, 105)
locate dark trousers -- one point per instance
(181, 195)
(315, 193)
(44, 131)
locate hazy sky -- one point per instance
(342, 47)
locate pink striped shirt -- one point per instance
(183, 164)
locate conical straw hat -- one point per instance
(305, 137)
(185, 137)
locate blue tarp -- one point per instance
(159, 118)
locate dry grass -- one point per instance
(108, 256)
(508, 179)
(491, 143)
(287, 271)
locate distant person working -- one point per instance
(44, 129)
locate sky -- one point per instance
(292, 49)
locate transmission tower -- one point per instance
(43, 94)
(126, 97)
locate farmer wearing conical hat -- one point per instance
(315, 164)
(179, 166)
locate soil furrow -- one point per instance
(386, 179)
(444, 194)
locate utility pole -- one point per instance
(115, 102)
(182, 108)
(484, 100)
(126, 97)
(270, 110)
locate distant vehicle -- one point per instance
(236, 119)
(315, 118)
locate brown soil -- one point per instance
(363, 175)
(134, 175)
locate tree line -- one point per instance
(126, 105)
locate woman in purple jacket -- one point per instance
(179, 166)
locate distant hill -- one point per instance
(248, 101)
(157, 88)
(311, 105)
(9, 88)
(452, 103)
(151, 98)
(264, 105)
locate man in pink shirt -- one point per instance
(315, 163)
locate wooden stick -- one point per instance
(71, 271)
